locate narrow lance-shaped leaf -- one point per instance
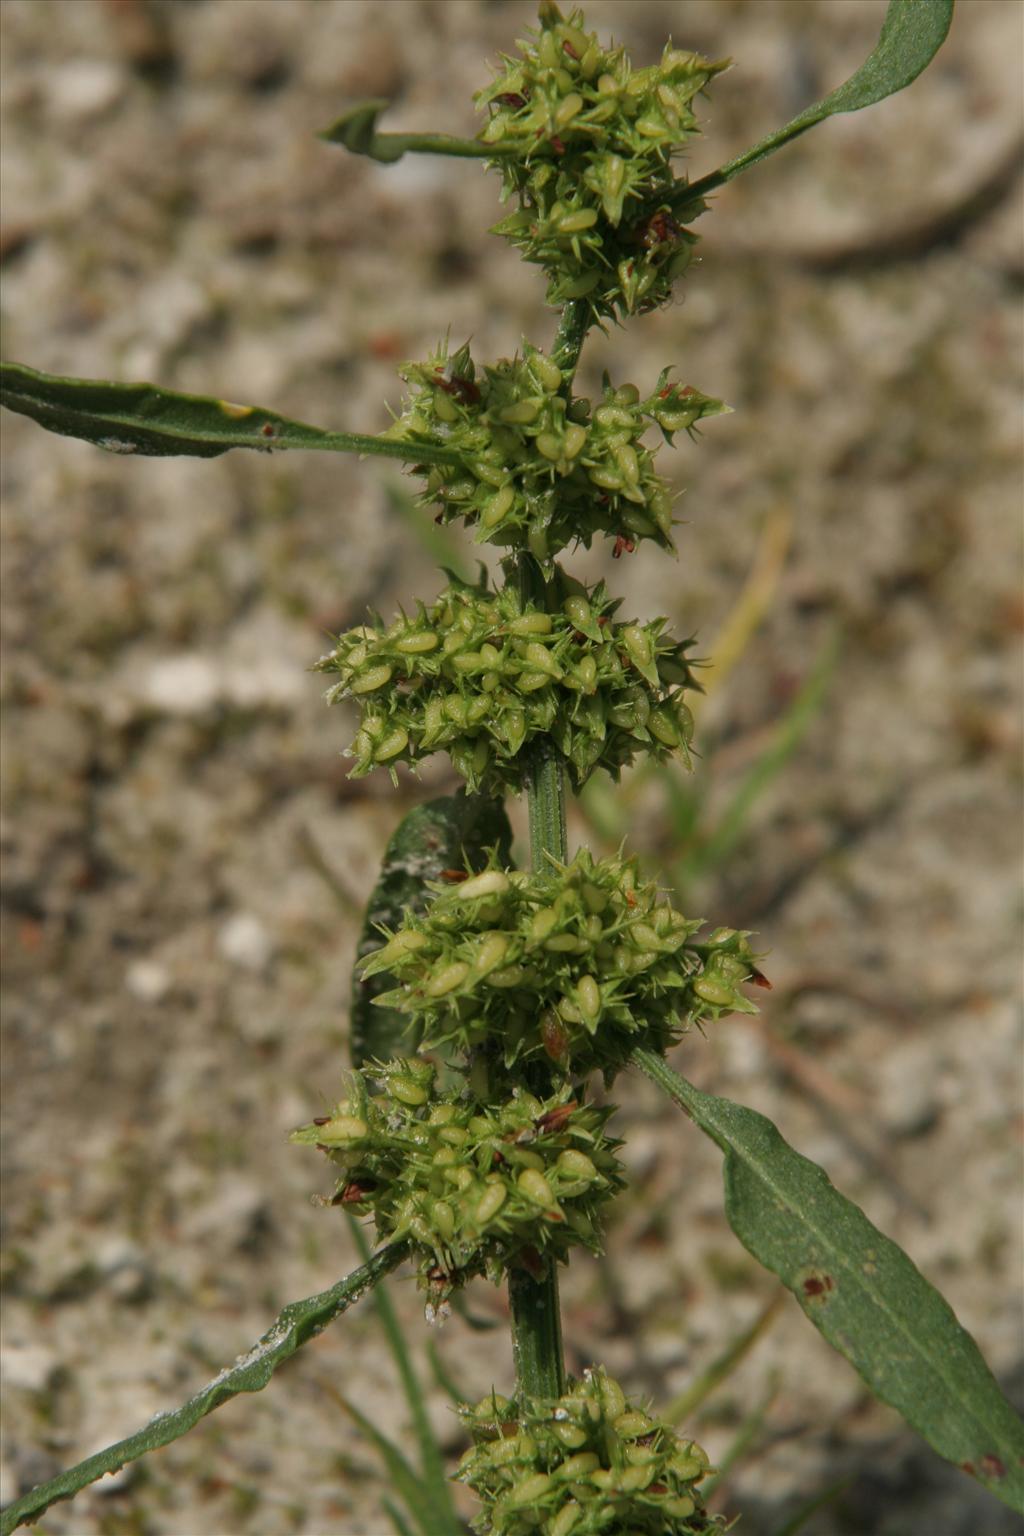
(912, 34)
(299, 1322)
(859, 1289)
(144, 419)
(356, 129)
(451, 832)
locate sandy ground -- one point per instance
(176, 959)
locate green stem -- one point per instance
(536, 1317)
(572, 329)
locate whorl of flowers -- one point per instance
(480, 675)
(588, 1464)
(474, 1187)
(574, 965)
(538, 471)
(585, 143)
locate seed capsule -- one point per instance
(585, 672)
(571, 1435)
(536, 1187)
(613, 416)
(631, 1425)
(491, 883)
(576, 1468)
(575, 223)
(588, 995)
(443, 1218)
(394, 742)
(567, 109)
(549, 444)
(540, 657)
(548, 373)
(607, 479)
(625, 457)
(497, 506)
(576, 1165)
(544, 923)
(342, 1129)
(574, 440)
(566, 1519)
(407, 1092)
(637, 643)
(577, 611)
(522, 413)
(663, 728)
(491, 953)
(531, 624)
(533, 1488)
(447, 979)
(375, 677)
(405, 942)
(417, 643)
(714, 992)
(490, 1203)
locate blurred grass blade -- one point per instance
(410, 1488)
(745, 1438)
(912, 34)
(435, 539)
(402, 1527)
(299, 1322)
(448, 833)
(687, 1403)
(743, 620)
(859, 1289)
(435, 1478)
(144, 419)
(796, 1522)
(727, 831)
(356, 129)
(444, 1378)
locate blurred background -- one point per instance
(185, 861)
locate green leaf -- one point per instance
(452, 832)
(356, 129)
(911, 36)
(299, 1322)
(859, 1290)
(141, 418)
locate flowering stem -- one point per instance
(536, 1316)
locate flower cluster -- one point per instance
(538, 471)
(575, 965)
(585, 143)
(588, 1464)
(473, 1186)
(480, 675)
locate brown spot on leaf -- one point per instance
(992, 1466)
(816, 1285)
